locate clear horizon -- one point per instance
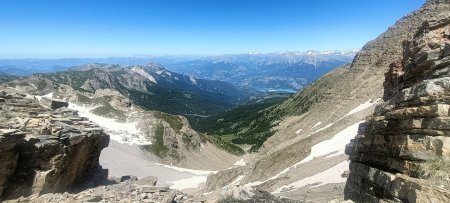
(156, 55)
(90, 29)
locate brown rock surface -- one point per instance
(44, 150)
(399, 150)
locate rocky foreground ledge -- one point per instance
(48, 153)
(45, 149)
(51, 154)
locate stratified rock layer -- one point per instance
(394, 147)
(44, 150)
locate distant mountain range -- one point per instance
(23, 67)
(279, 72)
(285, 72)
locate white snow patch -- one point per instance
(334, 146)
(168, 73)
(238, 180)
(298, 131)
(331, 175)
(315, 125)
(323, 128)
(121, 132)
(33, 85)
(357, 109)
(142, 72)
(193, 80)
(48, 96)
(240, 162)
(207, 193)
(199, 177)
(362, 107)
(254, 183)
(193, 171)
(159, 72)
(192, 182)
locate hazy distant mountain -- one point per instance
(28, 66)
(287, 71)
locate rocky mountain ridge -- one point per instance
(150, 86)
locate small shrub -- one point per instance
(157, 147)
(174, 121)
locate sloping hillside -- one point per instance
(305, 158)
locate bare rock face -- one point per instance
(44, 150)
(401, 152)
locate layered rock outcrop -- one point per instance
(45, 149)
(402, 152)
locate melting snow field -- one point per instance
(331, 175)
(335, 145)
(193, 182)
(121, 132)
(193, 171)
(331, 147)
(362, 107)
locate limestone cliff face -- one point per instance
(401, 152)
(45, 150)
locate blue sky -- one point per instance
(81, 28)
